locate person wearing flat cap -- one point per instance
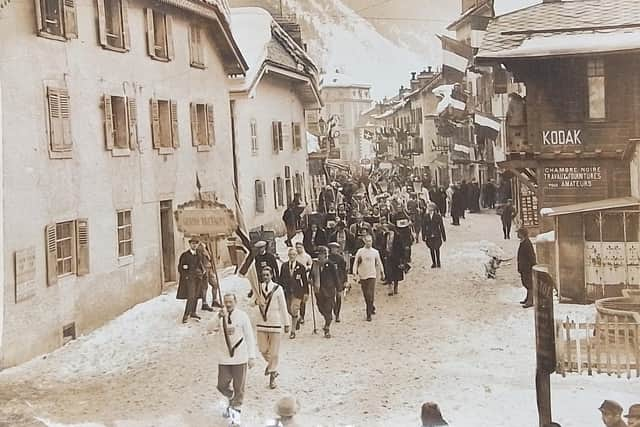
(612, 414)
(286, 409)
(191, 272)
(633, 417)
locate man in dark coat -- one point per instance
(464, 190)
(457, 205)
(441, 201)
(325, 199)
(490, 194)
(526, 261)
(291, 217)
(507, 216)
(265, 258)
(314, 236)
(325, 281)
(337, 257)
(434, 234)
(191, 277)
(294, 281)
(474, 197)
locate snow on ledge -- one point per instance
(549, 236)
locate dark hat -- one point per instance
(431, 413)
(260, 244)
(611, 407)
(634, 411)
(335, 245)
(194, 240)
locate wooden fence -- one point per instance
(610, 346)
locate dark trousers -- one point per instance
(506, 229)
(292, 230)
(456, 218)
(190, 307)
(435, 256)
(337, 305)
(326, 307)
(527, 283)
(236, 374)
(369, 291)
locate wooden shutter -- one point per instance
(52, 254)
(65, 113)
(39, 20)
(102, 23)
(275, 194)
(175, 130)
(193, 108)
(70, 19)
(82, 247)
(169, 26)
(132, 114)
(109, 131)
(259, 196)
(126, 37)
(151, 39)
(297, 136)
(155, 124)
(275, 136)
(55, 119)
(211, 128)
(285, 138)
(280, 191)
(192, 45)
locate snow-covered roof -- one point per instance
(337, 79)
(571, 44)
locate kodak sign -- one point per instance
(562, 137)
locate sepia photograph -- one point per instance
(320, 213)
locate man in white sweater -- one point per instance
(274, 320)
(367, 268)
(235, 347)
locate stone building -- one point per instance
(108, 110)
(269, 106)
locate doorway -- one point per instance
(167, 241)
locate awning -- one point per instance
(598, 205)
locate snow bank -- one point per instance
(549, 236)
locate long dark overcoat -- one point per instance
(191, 272)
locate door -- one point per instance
(167, 240)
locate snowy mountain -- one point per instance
(379, 42)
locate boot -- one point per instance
(272, 380)
(184, 319)
(206, 307)
(216, 304)
(327, 334)
(195, 316)
(395, 288)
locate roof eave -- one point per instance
(468, 14)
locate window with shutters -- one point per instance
(202, 126)
(113, 24)
(57, 19)
(125, 239)
(275, 194)
(196, 46)
(253, 128)
(120, 124)
(288, 184)
(296, 132)
(160, 35)
(260, 189)
(164, 125)
(59, 122)
(278, 142)
(67, 246)
(596, 89)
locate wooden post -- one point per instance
(543, 395)
(546, 358)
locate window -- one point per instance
(164, 125)
(253, 126)
(261, 194)
(159, 35)
(275, 194)
(298, 184)
(596, 85)
(120, 124)
(196, 46)
(297, 135)
(278, 142)
(125, 240)
(113, 24)
(57, 19)
(67, 249)
(59, 122)
(202, 125)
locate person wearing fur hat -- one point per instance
(431, 415)
(286, 409)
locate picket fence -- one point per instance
(610, 346)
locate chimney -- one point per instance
(415, 81)
(429, 69)
(413, 75)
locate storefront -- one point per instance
(595, 248)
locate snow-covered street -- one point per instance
(451, 336)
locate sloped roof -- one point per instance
(341, 80)
(476, 10)
(568, 17)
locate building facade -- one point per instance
(110, 109)
(345, 100)
(269, 116)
